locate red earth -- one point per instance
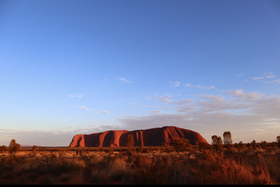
(149, 137)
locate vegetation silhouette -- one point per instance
(177, 163)
(227, 138)
(180, 144)
(217, 142)
(13, 147)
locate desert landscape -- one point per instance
(139, 92)
(178, 161)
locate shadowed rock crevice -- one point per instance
(149, 137)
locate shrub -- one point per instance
(240, 146)
(203, 146)
(139, 149)
(35, 148)
(146, 150)
(169, 149)
(254, 144)
(180, 144)
(274, 145)
(3, 148)
(263, 145)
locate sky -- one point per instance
(72, 67)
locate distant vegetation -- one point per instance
(180, 163)
(14, 147)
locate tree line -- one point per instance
(179, 144)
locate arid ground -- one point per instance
(203, 164)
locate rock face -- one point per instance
(148, 137)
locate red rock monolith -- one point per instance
(149, 137)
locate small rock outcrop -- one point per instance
(149, 137)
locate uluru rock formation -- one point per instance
(149, 137)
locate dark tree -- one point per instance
(214, 139)
(14, 147)
(217, 142)
(227, 138)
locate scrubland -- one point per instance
(142, 165)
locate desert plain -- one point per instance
(252, 163)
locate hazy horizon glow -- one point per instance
(81, 67)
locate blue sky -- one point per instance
(81, 67)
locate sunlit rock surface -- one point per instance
(148, 137)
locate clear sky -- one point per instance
(79, 67)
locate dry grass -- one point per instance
(149, 166)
